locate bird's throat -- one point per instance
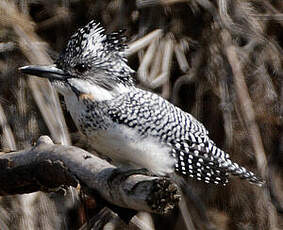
(86, 96)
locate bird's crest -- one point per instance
(88, 37)
(91, 41)
(93, 35)
(116, 41)
(90, 48)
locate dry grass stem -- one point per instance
(166, 65)
(148, 3)
(186, 215)
(246, 106)
(44, 94)
(156, 64)
(143, 70)
(231, 81)
(8, 135)
(143, 221)
(226, 110)
(181, 58)
(143, 42)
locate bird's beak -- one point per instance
(51, 72)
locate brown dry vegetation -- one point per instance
(219, 60)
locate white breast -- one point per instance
(125, 146)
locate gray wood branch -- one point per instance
(49, 166)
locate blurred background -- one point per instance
(219, 60)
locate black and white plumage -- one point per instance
(130, 125)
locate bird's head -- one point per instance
(91, 63)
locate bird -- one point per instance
(131, 126)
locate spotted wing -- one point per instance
(196, 155)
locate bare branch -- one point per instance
(49, 166)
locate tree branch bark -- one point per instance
(48, 166)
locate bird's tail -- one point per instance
(226, 164)
(242, 172)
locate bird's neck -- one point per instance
(98, 93)
(85, 90)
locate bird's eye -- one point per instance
(81, 67)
